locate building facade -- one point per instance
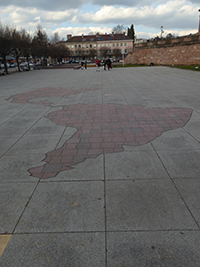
(98, 46)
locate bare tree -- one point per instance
(26, 45)
(40, 43)
(104, 52)
(117, 53)
(119, 28)
(55, 38)
(59, 51)
(92, 53)
(17, 46)
(5, 43)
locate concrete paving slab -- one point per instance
(134, 165)
(7, 143)
(14, 128)
(176, 139)
(45, 127)
(14, 168)
(146, 205)
(62, 249)
(90, 169)
(189, 190)
(163, 248)
(34, 145)
(13, 200)
(64, 207)
(193, 126)
(81, 134)
(181, 163)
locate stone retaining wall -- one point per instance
(178, 51)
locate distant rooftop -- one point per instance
(97, 37)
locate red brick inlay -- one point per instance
(105, 128)
(47, 92)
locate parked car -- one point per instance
(24, 66)
(13, 65)
(2, 65)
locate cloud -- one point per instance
(128, 3)
(172, 14)
(44, 4)
(67, 17)
(23, 17)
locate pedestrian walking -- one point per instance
(108, 63)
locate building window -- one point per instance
(110, 45)
(72, 46)
(83, 46)
(79, 46)
(86, 45)
(113, 45)
(94, 45)
(90, 46)
(75, 46)
(117, 44)
(121, 44)
(99, 45)
(125, 44)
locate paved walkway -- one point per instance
(100, 168)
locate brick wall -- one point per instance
(178, 51)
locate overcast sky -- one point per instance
(179, 17)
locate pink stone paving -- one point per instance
(47, 92)
(101, 128)
(123, 125)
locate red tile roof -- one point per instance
(99, 37)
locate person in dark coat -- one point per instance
(108, 63)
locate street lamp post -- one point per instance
(162, 31)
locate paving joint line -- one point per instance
(175, 186)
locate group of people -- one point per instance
(106, 63)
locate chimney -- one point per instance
(69, 36)
(112, 33)
(82, 35)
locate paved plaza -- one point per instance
(100, 168)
